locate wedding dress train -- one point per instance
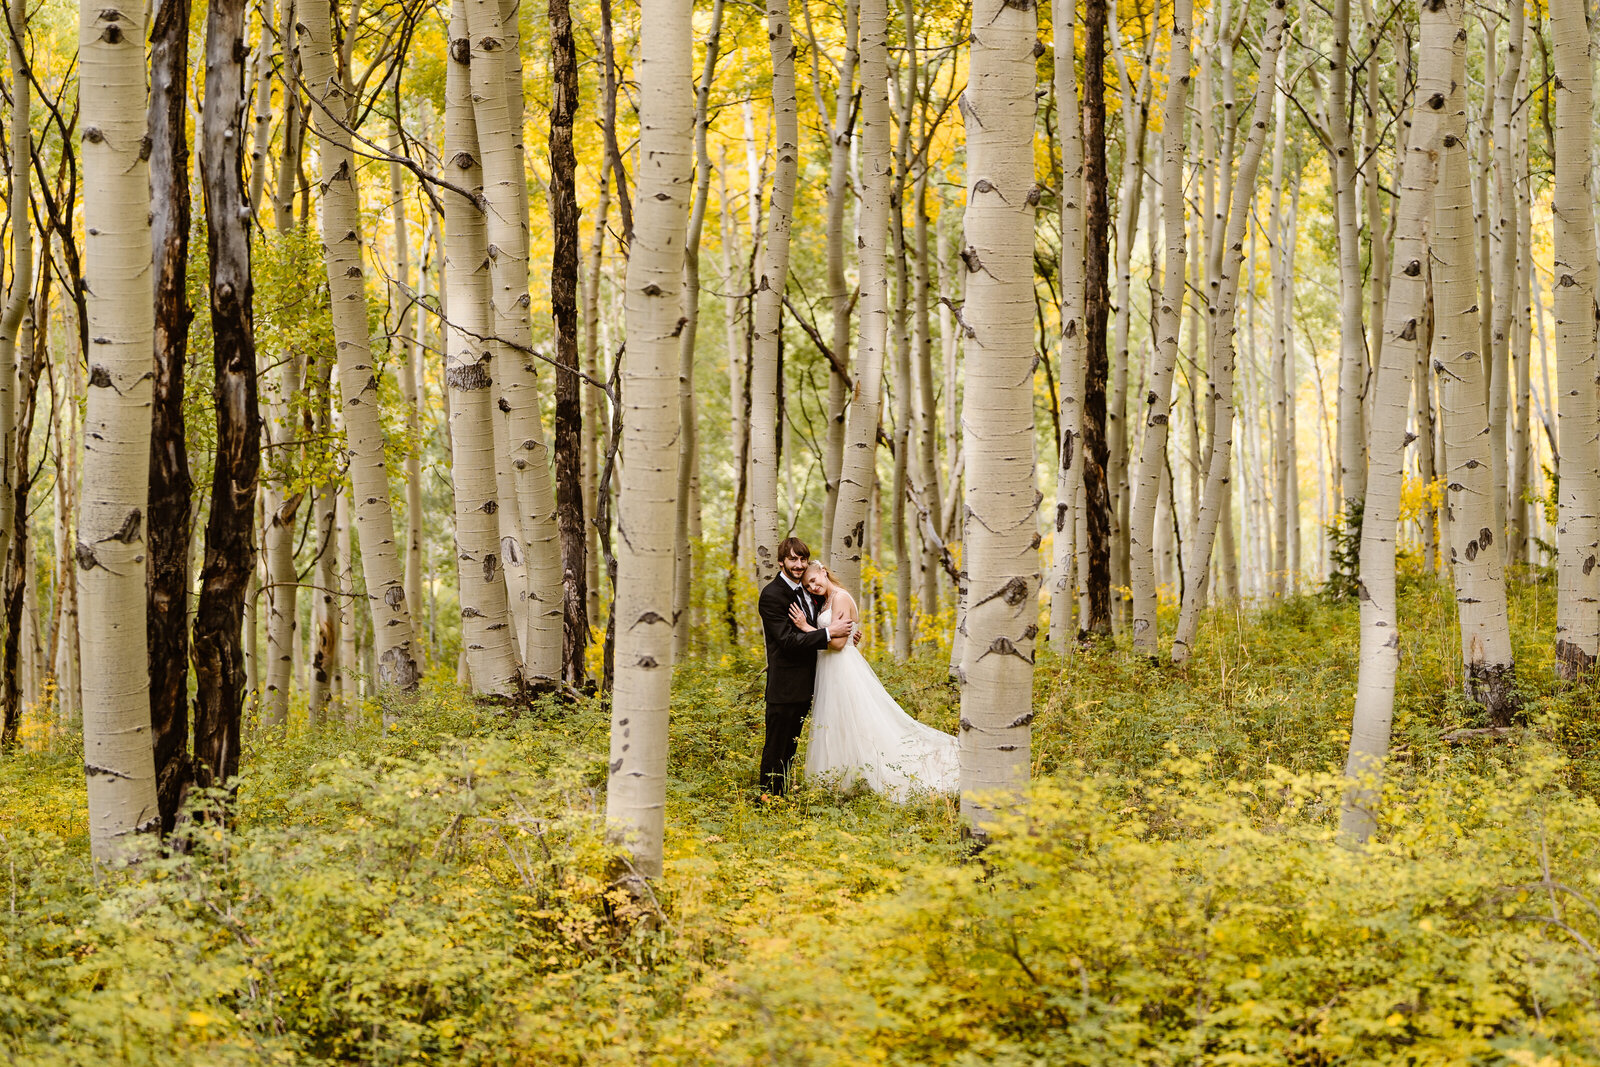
(859, 732)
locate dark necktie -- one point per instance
(804, 600)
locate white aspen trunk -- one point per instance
(839, 293)
(636, 788)
(900, 480)
(261, 130)
(1156, 417)
(1281, 233)
(1507, 510)
(411, 373)
(858, 470)
(1073, 355)
(486, 636)
(1475, 556)
(1214, 505)
(684, 533)
(773, 277)
(369, 476)
(1578, 526)
(1521, 346)
(1001, 551)
(1352, 350)
(595, 413)
(1404, 308)
(110, 552)
(347, 671)
(497, 105)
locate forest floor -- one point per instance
(1172, 891)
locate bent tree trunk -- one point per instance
(13, 317)
(636, 790)
(492, 659)
(1001, 552)
(1577, 524)
(1403, 311)
(1475, 554)
(110, 553)
(358, 383)
(857, 471)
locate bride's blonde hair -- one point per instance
(818, 565)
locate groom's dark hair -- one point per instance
(792, 546)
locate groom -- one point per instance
(791, 661)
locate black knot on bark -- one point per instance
(1413, 268)
(461, 50)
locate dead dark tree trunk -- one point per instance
(564, 309)
(230, 532)
(1096, 217)
(171, 489)
(33, 356)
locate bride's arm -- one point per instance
(843, 608)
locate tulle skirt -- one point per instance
(860, 734)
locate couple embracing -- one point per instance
(858, 732)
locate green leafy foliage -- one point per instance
(1170, 892)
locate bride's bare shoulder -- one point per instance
(844, 605)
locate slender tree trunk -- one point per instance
(1158, 391)
(1096, 447)
(1001, 553)
(261, 130)
(1475, 556)
(764, 369)
(563, 194)
(1578, 526)
(593, 399)
(1214, 505)
(1520, 534)
(839, 295)
(171, 490)
(397, 667)
(636, 788)
(1070, 466)
(411, 373)
(112, 545)
(927, 407)
(1281, 234)
(486, 635)
(230, 553)
(1352, 351)
(900, 480)
(1441, 36)
(688, 445)
(18, 304)
(1505, 284)
(858, 471)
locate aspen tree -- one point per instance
(764, 369)
(497, 104)
(110, 553)
(1442, 35)
(688, 446)
(19, 294)
(1280, 236)
(859, 466)
(1519, 535)
(1475, 555)
(593, 407)
(230, 527)
(637, 783)
(358, 388)
(1069, 467)
(411, 371)
(1352, 351)
(1001, 552)
(486, 636)
(261, 129)
(1169, 320)
(1578, 524)
(1505, 282)
(1214, 504)
(839, 293)
(901, 389)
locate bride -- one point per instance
(858, 731)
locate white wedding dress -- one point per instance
(859, 732)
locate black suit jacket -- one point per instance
(791, 652)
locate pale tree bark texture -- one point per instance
(1214, 502)
(1147, 479)
(1475, 553)
(1578, 519)
(1442, 35)
(1001, 551)
(230, 551)
(857, 473)
(358, 385)
(1069, 471)
(111, 547)
(764, 365)
(13, 332)
(636, 786)
(493, 662)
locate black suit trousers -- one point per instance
(783, 739)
